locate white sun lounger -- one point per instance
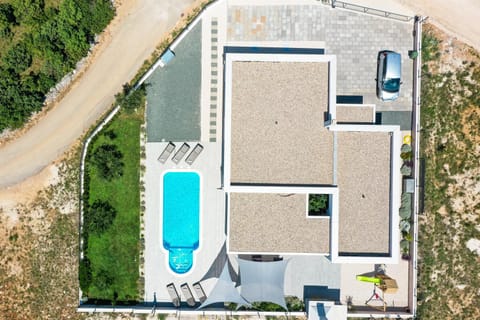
(199, 291)
(166, 152)
(180, 153)
(194, 154)
(188, 294)
(172, 291)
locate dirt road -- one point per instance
(132, 37)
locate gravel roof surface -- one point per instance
(277, 123)
(265, 222)
(364, 192)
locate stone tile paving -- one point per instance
(355, 39)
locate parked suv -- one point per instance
(389, 73)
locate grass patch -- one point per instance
(448, 277)
(110, 271)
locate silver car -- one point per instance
(389, 74)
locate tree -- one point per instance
(133, 99)
(18, 58)
(100, 216)
(7, 19)
(108, 161)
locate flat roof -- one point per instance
(277, 123)
(275, 223)
(364, 191)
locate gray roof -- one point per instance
(224, 290)
(263, 281)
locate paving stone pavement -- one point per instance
(355, 38)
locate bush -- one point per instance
(406, 200)
(318, 204)
(405, 212)
(108, 161)
(406, 170)
(406, 155)
(84, 275)
(406, 148)
(405, 226)
(100, 216)
(131, 99)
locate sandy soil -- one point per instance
(458, 18)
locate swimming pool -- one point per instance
(181, 218)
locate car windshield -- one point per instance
(391, 85)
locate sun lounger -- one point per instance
(194, 154)
(188, 294)
(199, 291)
(166, 152)
(180, 153)
(172, 291)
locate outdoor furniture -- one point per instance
(199, 291)
(188, 294)
(172, 291)
(166, 152)
(180, 153)
(194, 154)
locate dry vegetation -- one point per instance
(39, 246)
(449, 276)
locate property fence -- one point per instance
(417, 161)
(372, 11)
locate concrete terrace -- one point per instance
(277, 123)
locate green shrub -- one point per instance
(405, 226)
(84, 275)
(406, 200)
(318, 204)
(406, 148)
(406, 155)
(405, 212)
(406, 170)
(404, 244)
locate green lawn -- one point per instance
(114, 254)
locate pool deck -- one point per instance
(212, 219)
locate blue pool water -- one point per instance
(181, 218)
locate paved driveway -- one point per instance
(355, 38)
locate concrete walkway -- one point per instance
(133, 39)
